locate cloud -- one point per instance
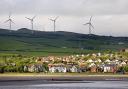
(65, 7)
(110, 16)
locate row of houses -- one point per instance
(83, 58)
(83, 63)
(95, 62)
(62, 68)
(34, 68)
(110, 68)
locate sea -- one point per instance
(65, 85)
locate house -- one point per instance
(42, 59)
(111, 68)
(124, 50)
(108, 61)
(72, 68)
(99, 54)
(93, 69)
(89, 61)
(115, 61)
(99, 60)
(34, 68)
(123, 63)
(83, 67)
(25, 68)
(94, 55)
(57, 68)
(91, 64)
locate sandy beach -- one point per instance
(18, 77)
(63, 81)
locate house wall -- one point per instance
(57, 69)
(106, 69)
(110, 69)
(93, 69)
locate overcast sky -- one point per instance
(110, 17)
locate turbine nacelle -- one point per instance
(54, 22)
(10, 21)
(89, 24)
(54, 19)
(32, 20)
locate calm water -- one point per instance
(68, 85)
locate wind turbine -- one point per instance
(10, 21)
(89, 25)
(54, 22)
(32, 21)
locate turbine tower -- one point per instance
(10, 21)
(32, 21)
(54, 23)
(90, 25)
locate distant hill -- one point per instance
(23, 40)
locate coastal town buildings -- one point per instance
(94, 63)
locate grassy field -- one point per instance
(48, 52)
(59, 43)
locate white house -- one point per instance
(89, 61)
(99, 54)
(92, 64)
(74, 69)
(106, 68)
(57, 68)
(99, 60)
(34, 68)
(123, 63)
(108, 61)
(109, 68)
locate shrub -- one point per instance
(126, 68)
(2, 69)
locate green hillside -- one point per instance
(56, 43)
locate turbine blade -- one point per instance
(92, 26)
(56, 17)
(90, 19)
(34, 17)
(12, 21)
(28, 18)
(51, 19)
(86, 24)
(6, 21)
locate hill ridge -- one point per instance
(60, 41)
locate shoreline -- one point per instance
(60, 77)
(56, 80)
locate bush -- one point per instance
(20, 68)
(2, 69)
(10, 69)
(126, 68)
